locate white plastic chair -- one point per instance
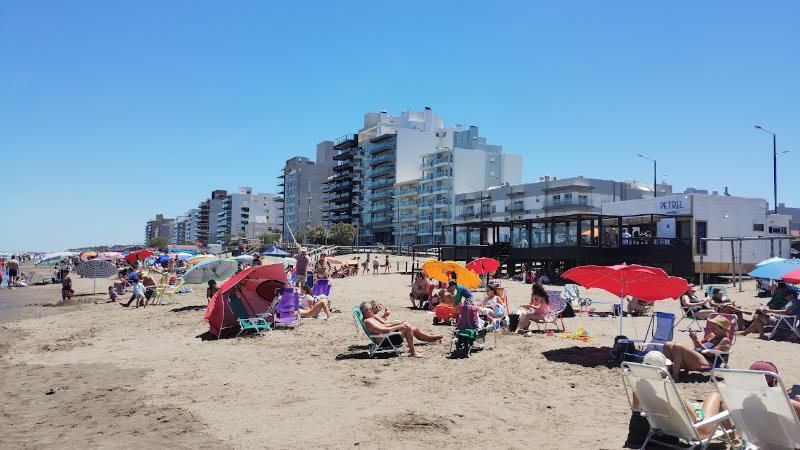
(663, 407)
(762, 414)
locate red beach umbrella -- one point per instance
(482, 266)
(138, 255)
(792, 277)
(256, 287)
(641, 282)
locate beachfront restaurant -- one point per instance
(719, 227)
(553, 245)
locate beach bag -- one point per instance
(513, 321)
(618, 351)
(568, 311)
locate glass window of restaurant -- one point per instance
(566, 233)
(461, 236)
(590, 233)
(448, 235)
(610, 237)
(474, 236)
(540, 234)
(519, 236)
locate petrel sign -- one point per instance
(674, 207)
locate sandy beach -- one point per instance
(94, 375)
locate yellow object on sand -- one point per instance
(199, 259)
(438, 270)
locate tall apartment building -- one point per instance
(302, 181)
(208, 216)
(246, 214)
(396, 180)
(159, 227)
(341, 199)
(179, 231)
(190, 226)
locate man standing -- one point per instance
(302, 266)
(12, 266)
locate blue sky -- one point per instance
(111, 112)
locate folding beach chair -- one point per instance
(572, 293)
(467, 332)
(762, 287)
(287, 310)
(688, 314)
(720, 356)
(659, 331)
(247, 322)
(663, 407)
(762, 414)
(163, 284)
(168, 292)
(378, 342)
(784, 321)
(27, 280)
(556, 306)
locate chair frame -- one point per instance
(718, 377)
(651, 331)
(378, 345)
(791, 322)
(690, 432)
(257, 322)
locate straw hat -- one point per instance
(303, 250)
(656, 359)
(721, 321)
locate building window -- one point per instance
(701, 231)
(777, 230)
(758, 227)
(556, 198)
(567, 196)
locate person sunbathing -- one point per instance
(636, 307)
(696, 358)
(762, 317)
(711, 406)
(406, 330)
(419, 291)
(694, 307)
(492, 305)
(382, 316)
(535, 311)
(726, 306)
(311, 307)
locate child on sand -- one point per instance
(138, 293)
(112, 295)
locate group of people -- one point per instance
(376, 265)
(11, 268)
(783, 302)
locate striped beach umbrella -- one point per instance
(94, 269)
(214, 269)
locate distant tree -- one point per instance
(268, 239)
(342, 234)
(158, 242)
(316, 235)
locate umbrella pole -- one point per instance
(620, 314)
(94, 286)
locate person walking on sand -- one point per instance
(407, 332)
(66, 288)
(302, 266)
(12, 269)
(386, 268)
(375, 265)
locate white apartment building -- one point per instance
(246, 214)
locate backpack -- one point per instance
(618, 351)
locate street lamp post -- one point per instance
(361, 211)
(774, 167)
(655, 184)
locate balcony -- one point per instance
(442, 188)
(381, 195)
(409, 203)
(341, 185)
(382, 219)
(408, 230)
(380, 147)
(341, 175)
(567, 203)
(381, 171)
(442, 174)
(380, 160)
(411, 217)
(384, 182)
(436, 162)
(410, 191)
(425, 205)
(381, 207)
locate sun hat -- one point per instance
(303, 250)
(692, 287)
(721, 321)
(656, 359)
(765, 366)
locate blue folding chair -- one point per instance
(659, 331)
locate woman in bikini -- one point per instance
(535, 311)
(696, 358)
(311, 307)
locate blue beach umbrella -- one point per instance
(775, 270)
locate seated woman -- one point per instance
(637, 307)
(762, 316)
(535, 311)
(419, 291)
(694, 307)
(711, 406)
(726, 306)
(492, 305)
(684, 357)
(311, 307)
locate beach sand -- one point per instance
(98, 375)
